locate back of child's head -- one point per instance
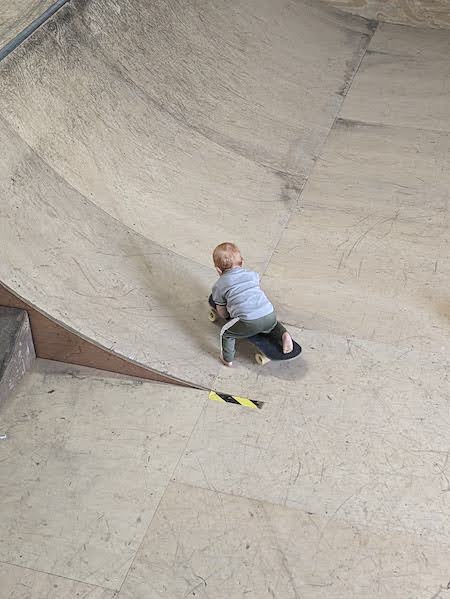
(227, 255)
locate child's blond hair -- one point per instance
(227, 255)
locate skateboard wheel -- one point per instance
(261, 359)
(212, 315)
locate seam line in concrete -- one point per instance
(380, 125)
(322, 145)
(92, 584)
(194, 426)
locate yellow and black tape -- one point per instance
(242, 401)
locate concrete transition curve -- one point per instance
(137, 135)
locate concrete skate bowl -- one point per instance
(136, 136)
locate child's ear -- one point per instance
(218, 270)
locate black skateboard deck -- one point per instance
(268, 348)
(271, 350)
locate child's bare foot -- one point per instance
(229, 364)
(288, 344)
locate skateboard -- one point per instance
(267, 349)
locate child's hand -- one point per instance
(222, 312)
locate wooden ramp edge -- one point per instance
(52, 341)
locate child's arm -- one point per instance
(222, 311)
(219, 300)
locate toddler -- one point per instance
(238, 296)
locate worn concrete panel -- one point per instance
(185, 123)
(242, 74)
(352, 426)
(16, 348)
(134, 161)
(21, 583)
(404, 80)
(367, 253)
(99, 278)
(416, 13)
(17, 14)
(84, 465)
(205, 544)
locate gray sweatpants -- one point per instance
(241, 329)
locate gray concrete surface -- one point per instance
(16, 349)
(337, 488)
(416, 13)
(135, 166)
(371, 237)
(334, 146)
(98, 454)
(16, 15)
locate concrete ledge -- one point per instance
(16, 348)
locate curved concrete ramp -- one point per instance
(139, 135)
(18, 14)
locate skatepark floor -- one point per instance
(339, 486)
(336, 488)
